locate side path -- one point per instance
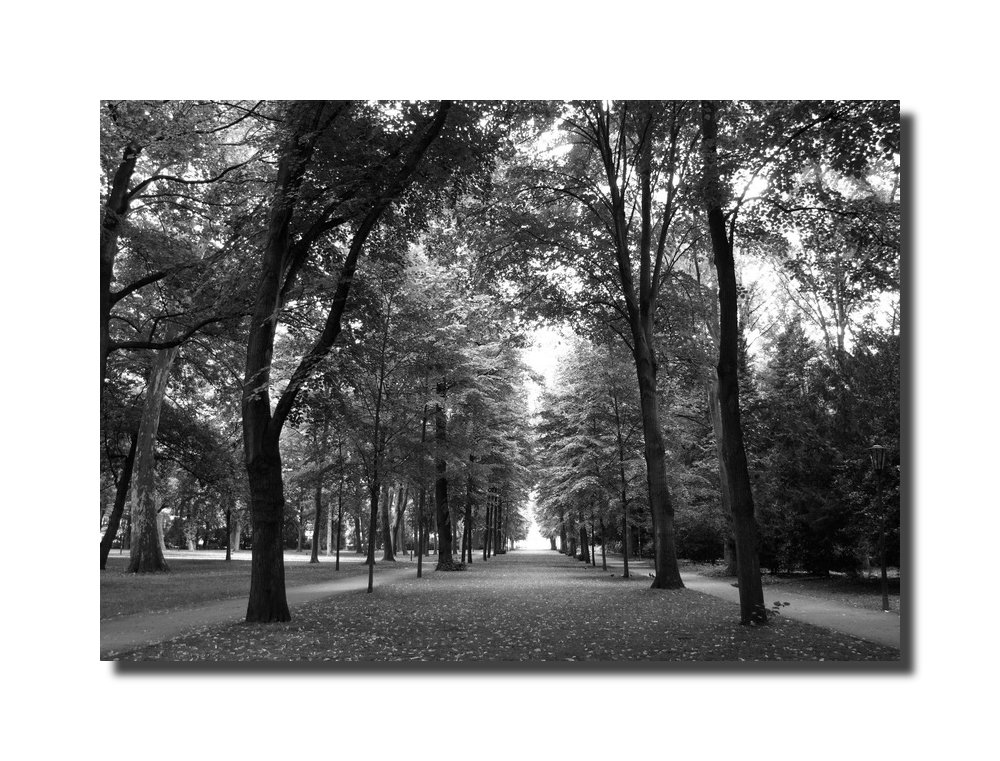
(872, 625)
(135, 631)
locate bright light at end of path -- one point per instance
(535, 540)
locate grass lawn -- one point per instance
(519, 607)
(863, 592)
(193, 582)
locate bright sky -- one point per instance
(542, 357)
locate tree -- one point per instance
(779, 142)
(212, 147)
(166, 269)
(734, 459)
(625, 178)
(362, 199)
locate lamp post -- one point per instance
(877, 454)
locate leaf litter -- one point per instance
(515, 608)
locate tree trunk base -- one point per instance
(276, 613)
(147, 563)
(667, 583)
(447, 564)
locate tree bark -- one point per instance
(116, 209)
(121, 497)
(340, 515)
(470, 491)
(329, 533)
(563, 545)
(667, 572)
(399, 524)
(500, 549)
(604, 560)
(729, 548)
(372, 529)
(235, 531)
(593, 554)
(267, 600)
(317, 518)
(584, 544)
(387, 553)
(625, 538)
(752, 608)
(145, 553)
(446, 560)
(421, 532)
(487, 529)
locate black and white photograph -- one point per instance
(535, 378)
(504, 381)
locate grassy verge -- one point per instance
(194, 582)
(517, 609)
(864, 592)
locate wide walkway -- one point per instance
(130, 632)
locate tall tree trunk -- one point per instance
(387, 553)
(236, 531)
(593, 555)
(640, 306)
(488, 527)
(329, 533)
(121, 497)
(421, 532)
(470, 492)
(584, 543)
(498, 539)
(667, 572)
(446, 560)
(145, 553)
(625, 542)
(300, 526)
(267, 600)
(399, 524)
(752, 609)
(372, 529)
(340, 517)
(562, 534)
(359, 540)
(115, 211)
(160, 518)
(373, 508)
(318, 513)
(604, 541)
(715, 412)
(317, 519)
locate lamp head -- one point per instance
(877, 454)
